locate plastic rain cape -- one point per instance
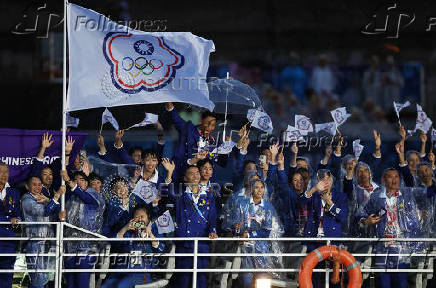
(261, 218)
(91, 218)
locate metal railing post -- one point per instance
(60, 252)
(327, 284)
(194, 277)
(57, 256)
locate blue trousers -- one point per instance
(126, 280)
(6, 278)
(185, 279)
(79, 280)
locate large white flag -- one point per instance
(148, 119)
(329, 127)
(398, 107)
(113, 65)
(423, 123)
(261, 121)
(303, 124)
(108, 117)
(340, 115)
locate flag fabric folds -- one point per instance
(149, 118)
(260, 120)
(108, 117)
(113, 65)
(165, 223)
(329, 127)
(340, 115)
(303, 124)
(71, 121)
(357, 148)
(398, 107)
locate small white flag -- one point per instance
(148, 119)
(165, 223)
(72, 122)
(433, 135)
(108, 117)
(145, 191)
(262, 121)
(225, 148)
(357, 148)
(250, 114)
(340, 115)
(329, 127)
(423, 123)
(303, 124)
(398, 107)
(293, 134)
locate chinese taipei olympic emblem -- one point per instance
(145, 59)
(303, 124)
(163, 221)
(339, 117)
(264, 122)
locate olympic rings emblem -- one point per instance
(147, 67)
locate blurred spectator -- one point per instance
(372, 79)
(294, 77)
(392, 83)
(323, 81)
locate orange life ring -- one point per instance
(322, 253)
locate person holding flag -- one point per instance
(408, 165)
(195, 142)
(49, 173)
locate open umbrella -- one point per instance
(231, 96)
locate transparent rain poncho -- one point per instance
(86, 216)
(415, 177)
(400, 218)
(112, 174)
(232, 201)
(34, 212)
(89, 217)
(357, 202)
(426, 208)
(260, 221)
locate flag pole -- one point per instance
(64, 99)
(225, 114)
(101, 128)
(59, 228)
